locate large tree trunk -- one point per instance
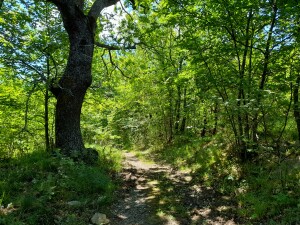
(72, 86)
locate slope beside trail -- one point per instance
(154, 194)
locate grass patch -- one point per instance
(38, 188)
(272, 192)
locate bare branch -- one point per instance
(123, 8)
(103, 60)
(27, 107)
(114, 47)
(116, 66)
(33, 68)
(99, 5)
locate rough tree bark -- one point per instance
(71, 88)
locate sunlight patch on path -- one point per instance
(156, 194)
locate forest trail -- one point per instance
(154, 194)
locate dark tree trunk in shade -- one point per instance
(216, 118)
(183, 122)
(71, 88)
(203, 132)
(177, 108)
(46, 109)
(297, 106)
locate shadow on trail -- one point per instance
(153, 195)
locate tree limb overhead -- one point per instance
(99, 5)
(114, 47)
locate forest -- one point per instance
(149, 112)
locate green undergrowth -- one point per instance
(38, 188)
(265, 189)
(270, 192)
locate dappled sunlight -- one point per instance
(160, 195)
(7, 210)
(208, 90)
(167, 219)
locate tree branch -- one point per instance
(33, 68)
(116, 66)
(99, 5)
(27, 107)
(103, 60)
(123, 8)
(114, 47)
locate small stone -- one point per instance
(122, 217)
(127, 176)
(10, 206)
(188, 178)
(133, 178)
(99, 219)
(74, 203)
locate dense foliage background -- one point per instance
(212, 86)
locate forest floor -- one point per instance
(154, 194)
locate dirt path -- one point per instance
(153, 194)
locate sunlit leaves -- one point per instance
(30, 36)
